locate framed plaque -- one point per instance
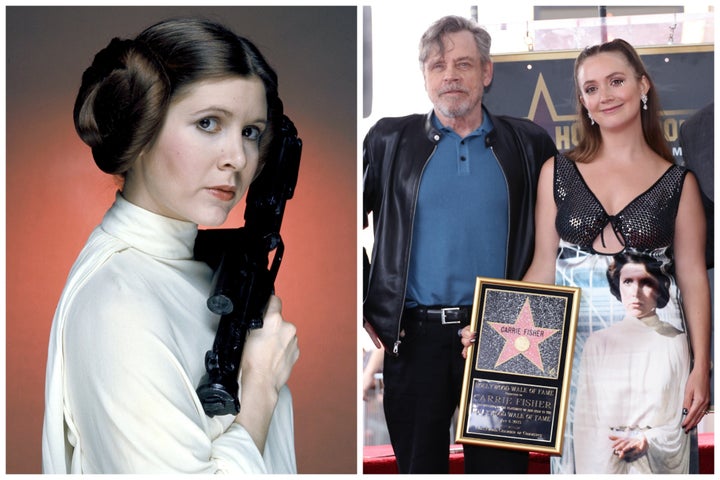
(517, 373)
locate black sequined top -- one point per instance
(646, 223)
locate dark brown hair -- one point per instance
(653, 267)
(590, 138)
(126, 92)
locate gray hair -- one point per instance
(452, 24)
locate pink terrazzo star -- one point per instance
(522, 337)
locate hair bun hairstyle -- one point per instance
(126, 92)
(120, 103)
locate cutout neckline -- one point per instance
(631, 202)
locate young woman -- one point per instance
(183, 114)
(619, 191)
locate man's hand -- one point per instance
(467, 337)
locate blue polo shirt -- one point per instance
(461, 220)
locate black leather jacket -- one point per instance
(395, 152)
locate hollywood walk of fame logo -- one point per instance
(522, 337)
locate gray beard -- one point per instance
(454, 111)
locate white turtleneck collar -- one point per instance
(149, 232)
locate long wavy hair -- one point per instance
(590, 138)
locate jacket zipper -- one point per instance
(396, 345)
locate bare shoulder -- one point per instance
(549, 164)
(547, 172)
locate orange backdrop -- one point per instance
(56, 195)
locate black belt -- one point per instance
(443, 315)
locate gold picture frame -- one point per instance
(517, 373)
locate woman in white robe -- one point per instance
(629, 406)
(183, 114)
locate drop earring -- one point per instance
(592, 120)
(643, 97)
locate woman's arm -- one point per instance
(131, 373)
(269, 355)
(692, 279)
(542, 268)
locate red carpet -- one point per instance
(380, 458)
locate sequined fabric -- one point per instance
(623, 383)
(644, 224)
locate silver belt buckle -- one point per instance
(443, 313)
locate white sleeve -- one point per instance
(593, 450)
(133, 403)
